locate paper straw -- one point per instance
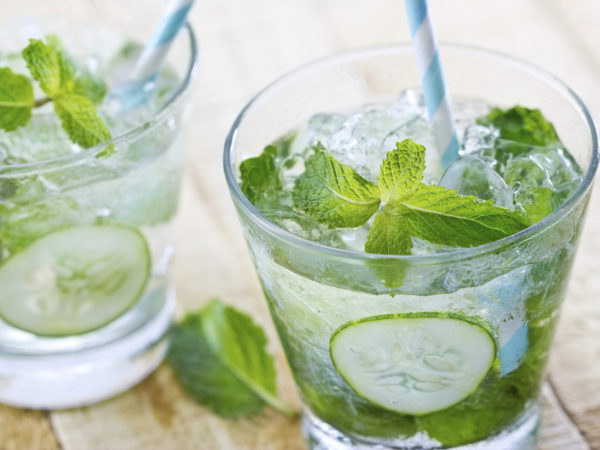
(155, 51)
(133, 92)
(436, 95)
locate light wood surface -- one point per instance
(244, 45)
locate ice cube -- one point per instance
(41, 139)
(354, 238)
(477, 138)
(465, 112)
(418, 130)
(471, 176)
(423, 247)
(363, 139)
(321, 127)
(542, 179)
(291, 168)
(410, 103)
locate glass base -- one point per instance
(521, 435)
(90, 373)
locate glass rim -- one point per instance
(378, 50)
(25, 169)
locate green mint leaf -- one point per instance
(442, 216)
(522, 125)
(81, 121)
(401, 171)
(333, 193)
(90, 87)
(16, 100)
(43, 63)
(66, 65)
(203, 374)
(260, 177)
(219, 356)
(389, 235)
(75, 78)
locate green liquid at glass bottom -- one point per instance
(515, 293)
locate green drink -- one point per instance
(88, 196)
(438, 339)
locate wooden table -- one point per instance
(244, 45)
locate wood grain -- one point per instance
(25, 430)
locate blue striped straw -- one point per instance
(437, 98)
(131, 93)
(156, 49)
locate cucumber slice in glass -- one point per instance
(74, 280)
(414, 363)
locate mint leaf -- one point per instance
(74, 77)
(260, 177)
(522, 125)
(219, 356)
(65, 63)
(401, 171)
(42, 61)
(442, 216)
(389, 235)
(73, 91)
(333, 193)
(16, 100)
(90, 87)
(80, 120)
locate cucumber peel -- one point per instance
(74, 280)
(415, 363)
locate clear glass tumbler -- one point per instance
(86, 239)
(513, 287)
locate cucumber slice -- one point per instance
(74, 280)
(413, 363)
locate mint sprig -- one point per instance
(79, 119)
(219, 356)
(334, 194)
(442, 216)
(522, 125)
(73, 90)
(389, 235)
(74, 77)
(16, 99)
(260, 177)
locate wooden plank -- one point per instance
(557, 432)
(25, 430)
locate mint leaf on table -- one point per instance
(333, 193)
(16, 99)
(260, 176)
(522, 125)
(220, 358)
